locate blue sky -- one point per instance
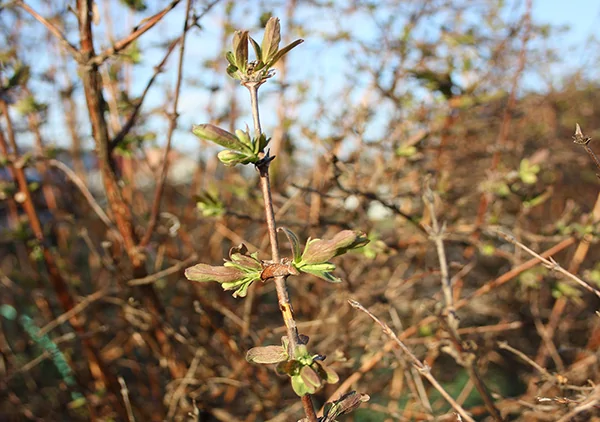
(314, 59)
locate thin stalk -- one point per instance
(422, 368)
(283, 299)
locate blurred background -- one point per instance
(106, 197)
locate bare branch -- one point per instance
(54, 31)
(138, 31)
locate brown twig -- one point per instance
(92, 85)
(139, 102)
(486, 288)
(152, 278)
(138, 31)
(584, 141)
(465, 358)
(180, 390)
(58, 282)
(423, 369)
(550, 263)
(54, 31)
(125, 395)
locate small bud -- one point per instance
(244, 137)
(579, 138)
(278, 270)
(231, 158)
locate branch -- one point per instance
(140, 29)
(168, 271)
(486, 288)
(423, 369)
(550, 263)
(131, 121)
(54, 31)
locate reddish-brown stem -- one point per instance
(92, 86)
(285, 305)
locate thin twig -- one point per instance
(152, 278)
(506, 116)
(550, 263)
(180, 391)
(504, 345)
(53, 30)
(486, 288)
(463, 357)
(584, 141)
(133, 117)
(83, 189)
(61, 319)
(423, 369)
(125, 395)
(139, 30)
(158, 193)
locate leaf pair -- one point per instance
(317, 252)
(242, 148)
(307, 372)
(236, 274)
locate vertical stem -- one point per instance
(253, 88)
(283, 299)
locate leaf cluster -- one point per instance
(267, 54)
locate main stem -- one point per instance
(285, 306)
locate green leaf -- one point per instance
(8, 312)
(528, 172)
(240, 49)
(135, 5)
(311, 379)
(325, 275)
(300, 388)
(209, 204)
(271, 39)
(320, 251)
(283, 52)
(257, 50)
(406, 151)
(231, 59)
(232, 71)
(204, 273)
(231, 158)
(240, 286)
(244, 137)
(242, 259)
(219, 136)
(294, 243)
